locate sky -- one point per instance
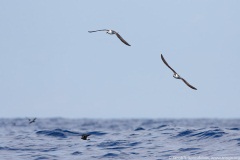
(50, 66)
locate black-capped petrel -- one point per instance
(111, 32)
(175, 75)
(31, 120)
(85, 136)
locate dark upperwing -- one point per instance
(189, 85)
(167, 63)
(118, 35)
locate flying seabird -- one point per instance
(85, 136)
(31, 120)
(175, 75)
(111, 32)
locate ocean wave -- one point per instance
(119, 144)
(188, 149)
(28, 149)
(97, 133)
(110, 155)
(139, 129)
(118, 139)
(58, 133)
(216, 133)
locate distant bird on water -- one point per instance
(175, 75)
(111, 32)
(31, 120)
(85, 136)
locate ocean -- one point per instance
(123, 139)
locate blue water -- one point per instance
(148, 139)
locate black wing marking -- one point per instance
(118, 35)
(98, 30)
(189, 85)
(167, 63)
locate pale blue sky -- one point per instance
(50, 66)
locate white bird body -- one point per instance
(177, 76)
(110, 32)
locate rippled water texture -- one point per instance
(136, 139)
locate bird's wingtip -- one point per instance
(162, 56)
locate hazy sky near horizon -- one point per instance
(50, 66)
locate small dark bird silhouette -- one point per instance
(85, 136)
(31, 120)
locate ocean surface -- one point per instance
(125, 139)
